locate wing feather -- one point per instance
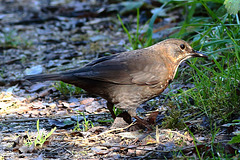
(122, 69)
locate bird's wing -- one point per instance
(122, 69)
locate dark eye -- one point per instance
(182, 46)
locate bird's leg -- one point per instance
(110, 108)
(121, 120)
(127, 118)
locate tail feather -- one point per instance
(43, 77)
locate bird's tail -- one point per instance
(44, 77)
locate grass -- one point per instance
(216, 82)
(66, 89)
(11, 39)
(85, 126)
(40, 138)
(135, 39)
(235, 139)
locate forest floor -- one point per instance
(36, 37)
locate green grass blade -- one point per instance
(125, 29)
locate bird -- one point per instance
(130, 78)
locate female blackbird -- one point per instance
(130, 78)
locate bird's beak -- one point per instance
(198, 54)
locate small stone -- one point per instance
(33, 113)
(87, 101)
(81, 108)
(61, 113)
(131, 152)
(52, 105)
(140, 152)
(94, 107)
(38, 69)
(73, 99)
(65, 104)
(26, 115)
(74, 104)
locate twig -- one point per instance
(146, 155)
(10, 61)
(112, 130)
(23, 120)
(10, 82)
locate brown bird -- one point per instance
(130, 78)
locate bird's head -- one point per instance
(175, 51)
(179, 50)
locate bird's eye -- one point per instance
(182, 46)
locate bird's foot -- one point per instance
(125, 119)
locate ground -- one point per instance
(53, 36)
